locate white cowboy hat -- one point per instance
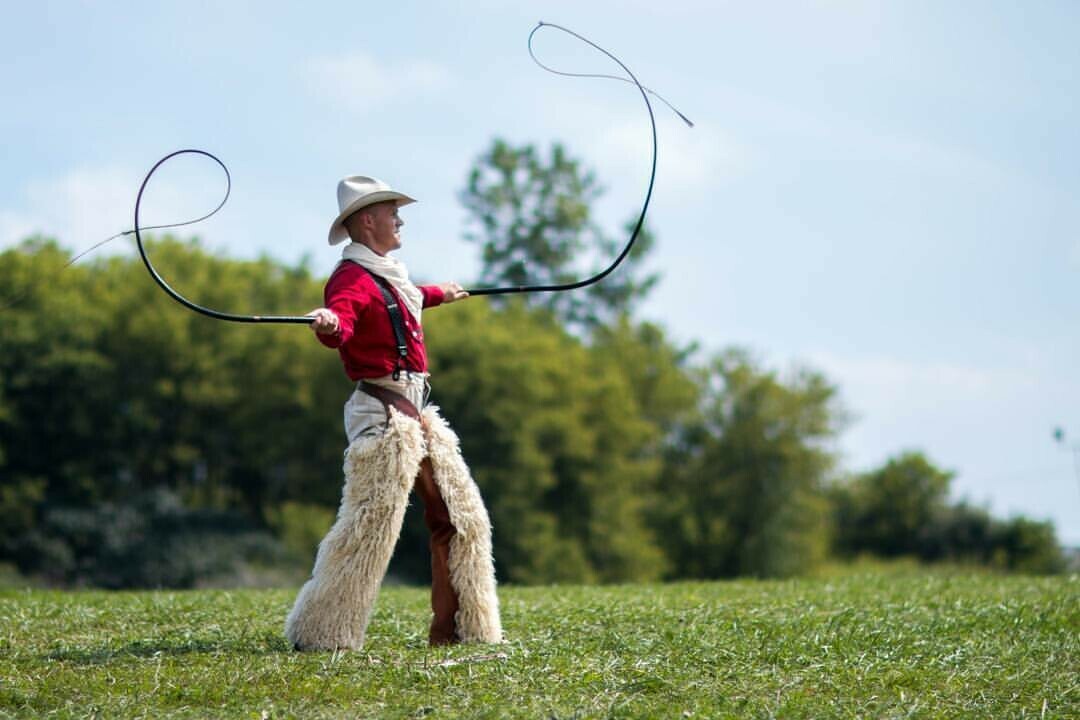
(359, 191)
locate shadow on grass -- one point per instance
(148, 649)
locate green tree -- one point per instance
(555, 441)
(746, 482)
(893, 510)
(659, 374)
(112, 392)
(129, 421)
(1028, 546)
(532, 216)
(902, 508)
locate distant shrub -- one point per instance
(901, 510)
(1028, 546)
(151, 541)
(300, 526)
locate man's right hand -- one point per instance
(324, 321)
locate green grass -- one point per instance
(911, 644)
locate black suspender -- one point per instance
(396, 320)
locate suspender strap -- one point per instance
(396, 320)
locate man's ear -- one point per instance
(359, 218)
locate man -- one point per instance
(372, 316)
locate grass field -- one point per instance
(909, 645)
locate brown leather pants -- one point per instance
(444, 599)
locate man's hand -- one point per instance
(324, 321)
(452, 291)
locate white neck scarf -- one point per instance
(390, 268)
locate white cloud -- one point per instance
(945, 408)
(361, 83)
(85, 205)
(690, 162)
(14, 227)
(949, 410)
(892, 381)
(948, 163)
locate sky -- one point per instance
(882, 191)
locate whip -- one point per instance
(645, 92)
(304, 319)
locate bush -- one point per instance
(152, 541)
(1028, 546)
(900, 510)
(300, 527)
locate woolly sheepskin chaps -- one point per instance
(334, 606)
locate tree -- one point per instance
(658, 373)
(554, 440)
(902, 508)
(533, 220)
(113, 394)
(128, 422)
(1028, 546)
(893, 510)
(746, 482)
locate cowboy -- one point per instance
(397, 442)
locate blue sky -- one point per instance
(884, 191)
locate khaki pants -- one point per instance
(366, 417)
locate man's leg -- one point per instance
(334, 606)
(471, 565)
(444, 600)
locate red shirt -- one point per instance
(365, 337)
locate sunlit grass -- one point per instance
(853, 645)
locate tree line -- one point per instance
(142, 444)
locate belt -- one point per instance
(391, 399)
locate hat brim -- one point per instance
(339, 234)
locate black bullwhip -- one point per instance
(305, 319)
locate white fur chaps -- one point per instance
(334, 606)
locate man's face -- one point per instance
(387, 226)
(378, 226)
